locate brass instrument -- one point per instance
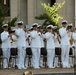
(71, 39)
(70, 30)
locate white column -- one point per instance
(30, 11)
(13, 8)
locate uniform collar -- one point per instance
(63, 27)
(5, 31)
(34, 30)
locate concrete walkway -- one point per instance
(38, 71)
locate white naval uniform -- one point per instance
(14, 45)
(28, 45)
(42, 36)
(35, 46)
(28, 42)
(6, 45)
(14, 41)
(57, 45)
(21, 45)
(74, 37)
(65, 46)
(71, 60)
(50, 46)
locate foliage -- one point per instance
(12, 22)
(3, 14)
(50, 15)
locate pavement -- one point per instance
(13, 71)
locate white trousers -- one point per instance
(6, 53)
(21, 56)
(75, 56)
(56, 62)
(27, 62)
(13, 61)
(50, 57)
(65, 55)
(71, 60)
(41, 61)
(35, 57)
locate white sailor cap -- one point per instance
(64, 22)
(31, 28)
(4, 25)
(34, 24)
(55, 27)
(70, 24)
(49, 26)
(13, 29)
(39, 26)
(20, 23)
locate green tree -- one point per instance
(50, 15)
(3, 14)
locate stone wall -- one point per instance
(28, 9)
(68, 10)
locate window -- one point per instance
(5, 4)
(52, 2)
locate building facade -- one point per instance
(26, 10)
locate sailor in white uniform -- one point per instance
(21, 44)
(28, 43)
(70, 34)
(74, 37)
(50, 46)
(13, 39)
(42, 36)
(57, 44)
(35, 46)
(6, 44)
(14, 45)
(65, 44)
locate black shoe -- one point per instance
(16, 66)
